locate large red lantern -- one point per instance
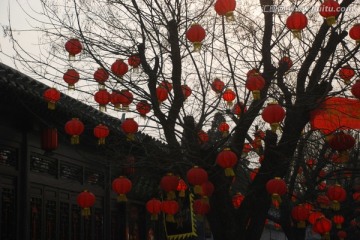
(329, 10)
(125, 98)
(167, 85)
(196, 176)
(200, 208)
(273, 114)
(186, 90)
(101, 76)
(71, 77)
(102, 97)
(322, 226)
(224, 128)
(73, 47)
(296, 22)
(336, 195)
(300, 214)
(74, 127)
(143, 107)
(225, 8)
(354, 33)
(255, 83)
(51, 95)
(355, 89)
(121, 185)
(217, 85)
(196, 34)
(346, 73)
(101, 132)
(229, 96)
(130, 127)
(181, 188)
(203, 137)
(170, 208)
(119, 68)
(49, 139)
(286, 62)
(314, 216)
(169, 184)
(338, 220)
(276, 187)
(153, 206)
(85, 200)
(134, 61)
(227, 159)
(161, 94)
(238, 109)
(237, 199)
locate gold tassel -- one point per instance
(324, 206)
(71, 87)
(197, 46)
(122, 198)
(182, 193)
(205, 200)
(130, 137)
(117, 106)
(199, 217)
(229, 16)
(330, 21)
(297, 34)
(229, 172)
(225, 134)
(102, 108)
(171, 195)
(229, 104)
(170, 218)
(101, 141)
(51, 105)
(276, 200)
(125, 108)
(335, 205)
(197, 189)
(154, 217)
(75, 139)
(256, 94)
(85, 212)
(301, 224)
(274, 126)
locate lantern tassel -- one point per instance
(102, 108)
(338, 226)
(197, 46)
(230, 16)
(197, 189)
(225, 134)
(51, 105)
(71, 57)
(171, 195)
(297, 34)
(170, 218)
(205, 200)
(125, 108)
(122, 198)
(229, 172)
(229, 104)
(335, 205)
(301, 224)
(276, 200)
(154, 217)
(101, 86)
(85, 212)
(75, 139)
(182, 193)
(130, 137)
(199, 217)
(274, 126)
(330, 21)
(71, 87)
(117, 106)
(101, 141)
(256, 94)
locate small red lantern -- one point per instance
(49, 139)
(251, 72)
(346, 73)
(129, 127)
(310, 163)
(237, 199)
(119, 68)
(329, 10)
(161, 94)
(85, 200)
(115, 99)
(125, 98)
(225, 8)
(102, 97)
(207, 189)
(238, 109)
(134, 61)
(296, 22)
(276, 187)
(101, 132)
(203, 137)
(255, 83)
(121, 185)
(217, 85)
(322, 226)
(300, 214)
(246, 148)
(323, 201)
(51, 95)
(201, 208)
(224, 128)
(170, 208)
(74, 127)
(321, 186)
(101, 76)
(338, 220)
(167, 85)
(169, 184)
(314, 216)
(227, 159)
(143, 107)
(342, 142)
(186, 90)
(273, 114)
(196, 176)
(341, 235)
(229, 96)
(253, 173)
(354, 33)
(355, 89)
(196, 34)
(73, 47)
(181, 188)
(153, 206)
(356, 196)
(286, 62)
(71, 77)
(336, 195)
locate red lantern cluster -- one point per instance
(225, 8)
(300, 214)
(346, 73)
(102, 97)
(217, 85)
(255, 83)
(101, 132)
(329, 10)
(73, 47)
(336, 195)
(153, 206)
(276, 187)
(296, 22)
(237, 199)
(121, 185)
(101, 76)
(227, 159)
(273, 114)
(354, 33)
(229, 96)
(196, 34)
(119, 68)
(196, 176)
(170, 208)
(51, 95)
(169, 184)
(129, 127)
(355, 89)
(143, 107)
(75, 128)
(71, 77)
(85, 200)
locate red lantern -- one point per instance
(238, 109)
(338, 220)
(217, 85)
(341, 235)
(121, 185)
(201, 208)
(255, 83)
(314, 216)
(329, 10)
(102, 97)
(196, 176)
(186, 90)
(74, 127)
(321, 186)
(354, 33)
(246, 148)
(143, 107)
(134, 61)
(170, 208)
(273, 114)
(336, 195)
(49, 139)
(253, 173)
(356, 196)
(227, 159)
(276, 187)
(119, 68)
(153, 206)
(342, 142)
(51, 95)
(300, 214)
(311, 163)
(181, 188)
(296, 22)
(125, 98)
(225, 8)
(224, 128)
(101, 76)
(207, 189)
(322, 226)
(196, 34)
(101, 132)
(73, 47)
(286, 62)
(161, 94)
(355, 89)
(85, 200)
(237, 199)
(203, 137)
(251, 72)
(169, 184)
(167, 85)
(71, 77)
(129, 127)
(323, 201)
(346, 73)
(115, 99)
(229, 96)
